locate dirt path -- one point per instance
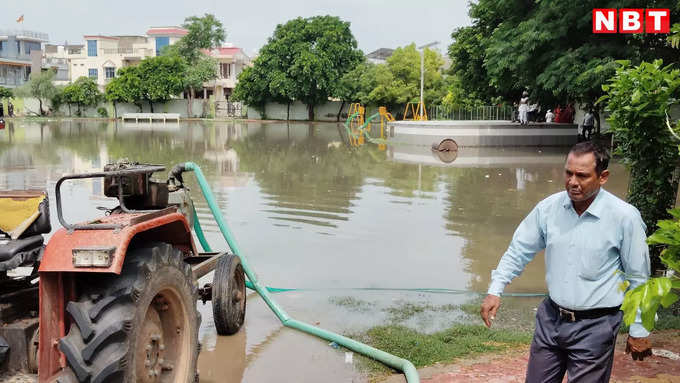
(509, 367)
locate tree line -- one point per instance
(315, 59)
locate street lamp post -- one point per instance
(422, 73)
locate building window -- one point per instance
(93, 73)
(2, 46)
(225, 70)
(18, 47)
(30, 46)
(161, 42)
(110, 72)
(92, 48)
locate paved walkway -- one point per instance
(510, 367)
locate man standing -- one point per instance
(589, 235)
(588, 124)
(524, 108)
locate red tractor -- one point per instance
(117, 294)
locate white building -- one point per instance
(20, 53)
(231, 61)
(101, 56)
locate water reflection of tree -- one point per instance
(486, 211)
(15, 143)
(306, 179)
(81, 137)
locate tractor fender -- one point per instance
(171, 228)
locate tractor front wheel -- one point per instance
(139, 326)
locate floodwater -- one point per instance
(356, 229)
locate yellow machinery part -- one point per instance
(18, 212)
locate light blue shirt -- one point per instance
(585, 256)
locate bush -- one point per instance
(103, 112)
(638, 99)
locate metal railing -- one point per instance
(439, 112)
(128, 51)
(24, 33)
(54, 61)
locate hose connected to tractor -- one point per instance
(393, 361)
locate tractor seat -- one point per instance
(24, 213)
(25, 251)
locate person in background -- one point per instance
(588, 124)
(524, 108)
(593, 241)
(569, 114)
(549, 116)
(10, 109)
(515, 112)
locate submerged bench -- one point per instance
(151, 117)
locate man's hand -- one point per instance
(639, 348)
(489, 307)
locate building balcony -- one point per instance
(128, 52)
(13, 56)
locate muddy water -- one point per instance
(354, 229)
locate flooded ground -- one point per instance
(358, 231)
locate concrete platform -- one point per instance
(478, 157)
(483, 133)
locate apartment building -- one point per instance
(101, 56)
(20, 55)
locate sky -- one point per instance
(249, 23)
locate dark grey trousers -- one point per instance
(584, 349)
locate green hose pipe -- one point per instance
(391, 360)
(199, 232)
(229, 237)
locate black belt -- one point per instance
(574, 315)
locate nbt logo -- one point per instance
(605, 20)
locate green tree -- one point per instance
(303, 60)
(83, 92)
(125, 87)
(405, 66)
(5, 92)
(354, 85)
(204, 33)
(387, 89)
(467, 54)
(547, 47)
(58, 98)
(253, 88)
(160, 78)
(456, 97)
(198, 73)
(638, 99)
(40, 87)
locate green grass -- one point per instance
(444, 346)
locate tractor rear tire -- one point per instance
(139, 326)
(229, 295)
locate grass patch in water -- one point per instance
(443, 346)
(352, 303)
(405, 310)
